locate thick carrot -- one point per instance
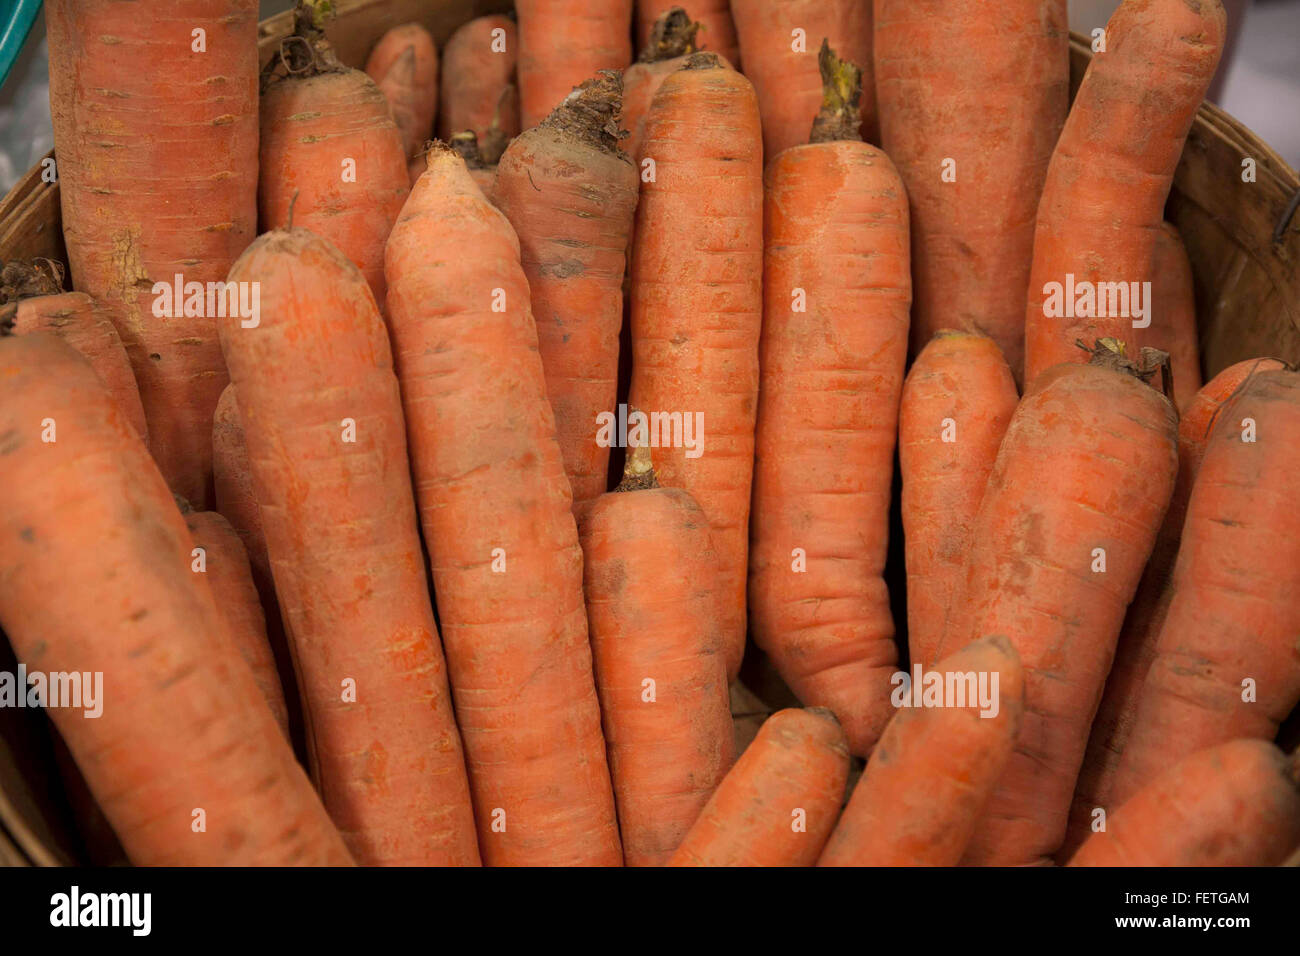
(1237, 804)
(32, 299)
(697, 304)
(225, 562)
(185, 758)
(404, 65)
(779, 44)
(1173, 312)
(930, 777)
(957, 401)
(332, 157)
(564, 42)
(478, 90)
(1070, 515)
(1142, 623)
(674, 37)
(1227, 663)
(1103, 201)
(570, 193)
(972, 97)
(779, 802)
(155, 126)
(322, 420)
(498, 521)
(836, 294)
(717, 32)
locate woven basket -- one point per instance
(1243, 239)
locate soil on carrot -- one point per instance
(590, 113)
(673, 35)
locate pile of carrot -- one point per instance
(467, 486)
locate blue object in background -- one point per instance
(14, 33)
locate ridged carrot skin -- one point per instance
(930, 777)
(1237, 804)
(1173, 314)
(183, 726)
(984, 89)
(327, 450)
(957, 401)
(498, 522)
(157, 162)
(570, 193)
(798, 762)
(1088, 462)
(697, 300)
(478, 86)
(674, 38)
(562, 43)
(1103, 202)
(717, 33)
(404, 65)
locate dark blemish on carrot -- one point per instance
(27, 534)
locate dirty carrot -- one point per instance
(674, 36)
(717, 32)
(478, 90)
(404, 65)
(483, 173)
(562, 43)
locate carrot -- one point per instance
(1173, 312)
(957, 401)
(481, 171)
(1070, 515)
(717, 32)
(1103, 201)
(657, 644)
(235, 494)
(1237, 804)
(835, 303)
(184, 758)
(779, 802)
(332, 157)
(327, 452)
(157, 163)
(404, 65)
(225, 562)
(562, 43)
(778, 45)
(1226, 662)
(930, 777)
(972, 99)
(1137, 641)
(478, 84)
(498, 521)
(674, 37)
(697, 304)
(32, 299)
(570, 193)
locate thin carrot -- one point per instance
(564, 42)
(322, 420)
(836, 294)
(184, 758)
(570, 193)
(931, 776)
(957, 401)
(236, 496)
(1104, 198)
(498, 521)
(478, 90)
(674, 37)
(717, 32)
(1237, 804)
(972, 99)
(1173, 312)
(779, 802)
(779, 43)
(157, 166)
(697, 302)
(404, 65)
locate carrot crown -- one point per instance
(840, 116)
(1113, 354)
(590, 112)
(28, 279)
(305, 52)
(704, 60)
(638, 472)
(465, 143)
(673, 35)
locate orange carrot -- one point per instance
(836, 294)
(674, 37)
(32, 299)
(236, 497)
(930, 777)
(478, 84)
(1104, 198)
(957, 401)
(332, 157)
(697, 304)
(498, 522)
(779, 802)
(323, 423)
(717, 32)
(404, 65)
(1237, 804)
(779, 43)
(972, 100)
(481, 171)
(562, 43)
(157, 164)
(1173, 312)
(570, 193)
(1070, 515)
(1227, 663)
(184, 757)
(656, 640)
